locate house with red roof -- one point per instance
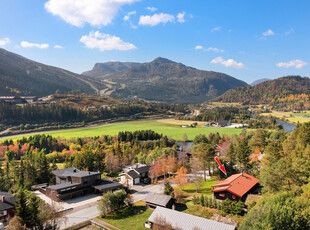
(236, 187)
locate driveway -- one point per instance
(141, 191)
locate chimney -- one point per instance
(3, 199)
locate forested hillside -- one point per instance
(281, 92)
(21, 76)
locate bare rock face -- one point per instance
(224, 220)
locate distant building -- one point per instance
(183, 221)
(135, 174)
(222, 123)
(30, 99)
(12, 100)
(71, 182)
(154, 200)
(236, 187)
(7, 205)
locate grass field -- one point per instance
(206, 188)
(171, 128)
(128, 218)
(294, 119)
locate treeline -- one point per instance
(223, 113)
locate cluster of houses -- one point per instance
(71, 182)
(18, 100)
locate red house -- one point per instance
(236, 187)
(7, 205)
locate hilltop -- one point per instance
(164, 80)
(283, 91)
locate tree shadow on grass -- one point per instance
(181, 207)
(127, 212)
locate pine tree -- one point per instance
(21, 207)
(202, 200)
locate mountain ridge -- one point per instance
(164, 80)
(22, 76)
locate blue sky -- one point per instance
(247, 39)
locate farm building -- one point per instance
(7, 205)
(154, 200)
(236, 187)
(183, 221)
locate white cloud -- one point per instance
(199, 47)
(216, 29)
(213, 49)
(4, 41)
(79, 12)
(34, 45)
(104, 42)
(268, 33)
(298, 64)
(216, 50)
(228, 63)
(58, 47)
(152, 9)
(180, 17)
(147, 20)
(127, 17)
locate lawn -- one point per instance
(168, 129)
(293, 120)
(205, 189)
(128, 218)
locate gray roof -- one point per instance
(108, 186)
(9, 202)
(63, 185)
(143, 169)
(133, 174)
(158, 199)
(184, 221)
(73, 172)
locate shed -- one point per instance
(154, 200)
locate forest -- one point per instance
(283, 173)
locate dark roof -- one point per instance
(222, 122)
(133, 174)
(143, 169)
(9, 202)
(158, 199)
(184, 221)
(107, 185)
(73, 172)
(63, 186)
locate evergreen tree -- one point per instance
(21, 207)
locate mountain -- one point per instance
(21, 76)
(284, 90)
(101, 69)
(259, 81)
(166, 81)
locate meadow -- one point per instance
(170, 128)
(290, 117)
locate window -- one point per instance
(3, 213)
(222, 194)
(234, 197)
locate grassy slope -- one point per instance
(294, 119)
(173, 130)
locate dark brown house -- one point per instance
(71, 182)
(7, 205)
(154, 200)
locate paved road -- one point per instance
(78, 217)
